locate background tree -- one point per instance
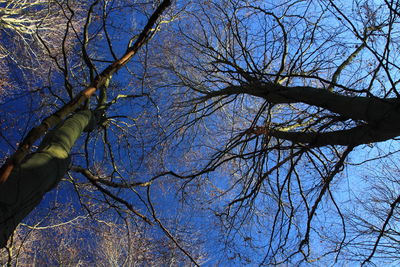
(34, 36)
(56, 239)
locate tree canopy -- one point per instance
(272, 123)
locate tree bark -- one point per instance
(380, 115)
(40, 173)
(369, 109)
(352, 137)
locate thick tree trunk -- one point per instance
(380, 115)
(370, 109)
(40, 173)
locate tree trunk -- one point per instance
(40, 173)
(379, 116)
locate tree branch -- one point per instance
(353, 137)
(369, 109)
(85, 94)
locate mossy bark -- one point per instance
(41, 172)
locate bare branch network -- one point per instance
(273, 123)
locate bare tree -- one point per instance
(25, 180)
(34, 36)
(274, 98)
